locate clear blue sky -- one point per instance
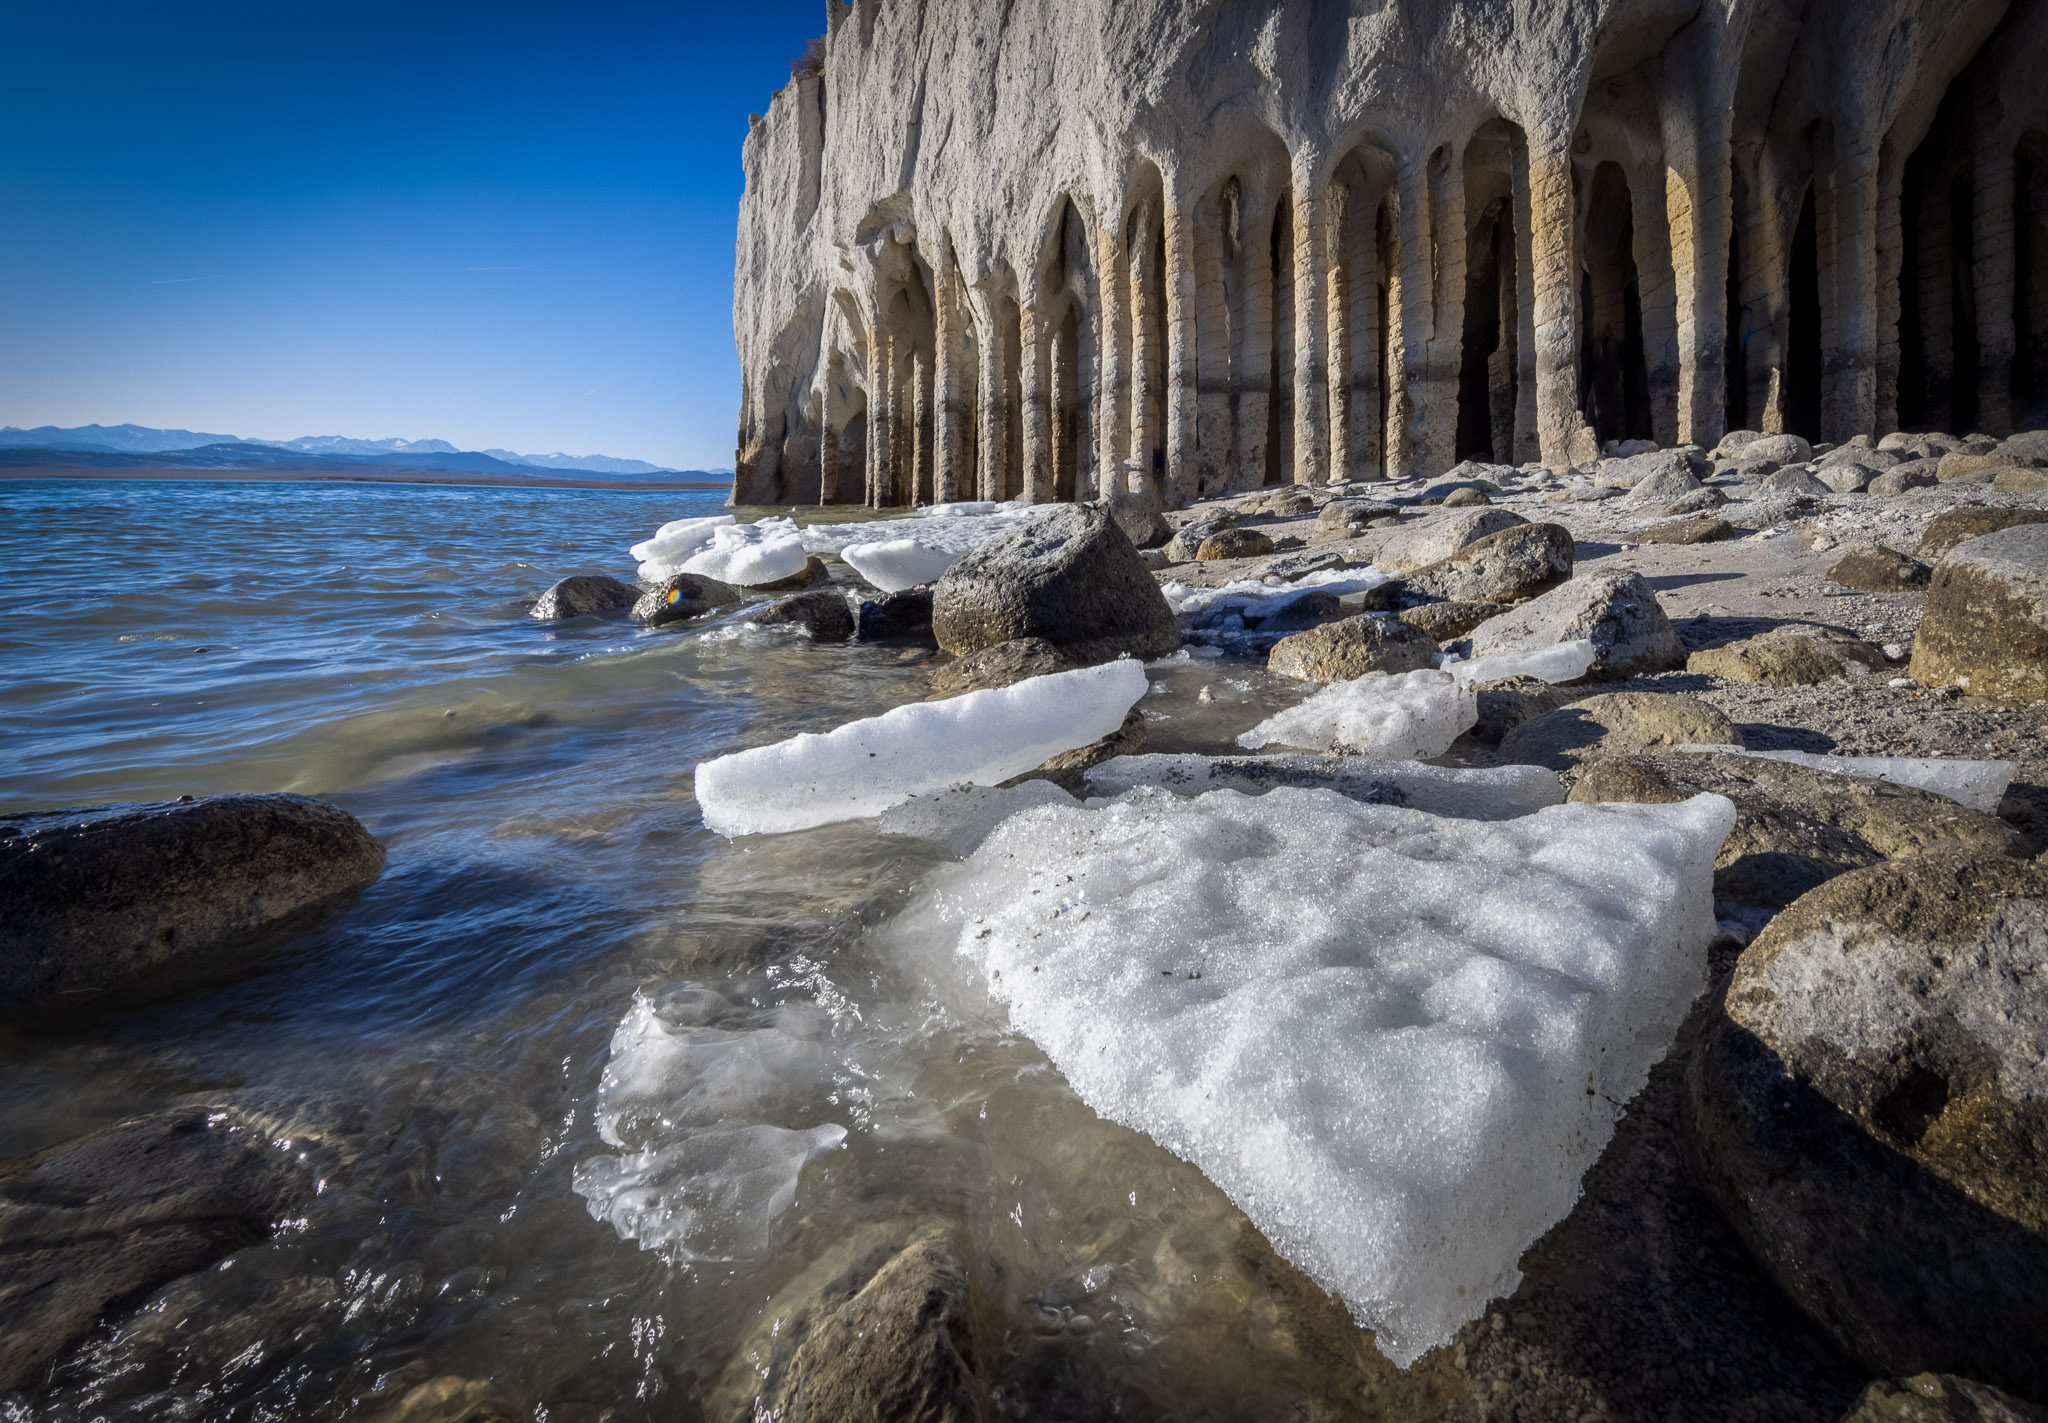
(504, 224)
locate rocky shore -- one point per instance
(1827, 1202)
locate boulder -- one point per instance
(1700, 529)
(1918, 474)
(1675, 470)
(1436, 538)
(2030, 447)
(1958, 526)
(1067, 575)
(1958, 464)
(810, 575)
(1282, 502)
(904, 616)
(822, 613)
(1878, 569)
(1616, 723)
(1234, 543)
(1797, 827)
(1698, 502)
(2013, 479)
(1352, 647)
(682, 596)
(132, 899)
(1865, 456)
(1921, 444)
(1985, 628)
(1182, 546)
(1736, 441)
(1846, 478)
(1663, 486)
(1796, 481)
(103, 1222)
(904, 1346)
(583, 594)
(1871, 1114)
(1506, 704)
(1447, 622)
(1142, 524)
(1797, 656)
(1940, 1398)
(1003, 665)
(1754, 471)
(1778, 449)
(1466, 498)
(1617, 611)
(1516, 563)
(1352, 516)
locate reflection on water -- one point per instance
(589, 1089)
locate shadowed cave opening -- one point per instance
(1802, 356)
(1614, 368)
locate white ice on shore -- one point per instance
(1408, 717)
(895, 564)
(961, 817)
(1980, 785)
(1494, 793)
(1396, 1041)
(748, 555)
(1560, 662)
(674, 543)
(866, 766)
(1249, 599)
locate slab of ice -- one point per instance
(945, 526)
(1497, 793)
(1410, 716)
(867, 766)
(748, 555)
(961, 817)
(895, 564)
(673, 544)
(1396, 1041)
(1560, 662)
(1980, 785)
(1251, 598)
(687, 1178)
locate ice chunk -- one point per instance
(895, 564)
(961, 817)
(1250, 597)
(867, 766)
(749, 555)
(1560, 662)
(1498, 793)
(1410, 716)
(673, 544)
(1980, 785)
(1396, 1041)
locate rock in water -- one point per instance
(1395, 1040)
(904, 616)
(1352, 647)
(1872, 1114)
(1986, 624)
(682, 596)
(108, 1219)
(822, 614)
(583, 594)
(1069, 576)
(1505, 567)
(1004, 665)
(1616, 611)
(810, 575)
(121, 898)
(1614, 724)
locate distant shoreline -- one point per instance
(395, 475)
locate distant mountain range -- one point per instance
(199, 450)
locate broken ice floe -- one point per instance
(1230, 616)
(1980, 785)
(1496, 793)
(674, 543)
(1560, 662)
(895, 564)
(867, 766)
(1396, 1041)
(961, 817)
(1408, 717)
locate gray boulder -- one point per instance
(1958, 526)
(1142, 524)
(1234, 543)
(822, 613)
(1447, 622)
(1779, 449)
(131, 899)
(1436, 538)
(1352, 516)
(2030, 447)
(902, 616)
(1985, 627)
(1617, 611)
(1797, 481)
(1699, 529)
(683, 596)
(105, 1221)
(1794, 656)
(1352, 647)
(810, 575)
(1067, 575)
(1871, 1114)
(1662, 486)
(1003, 665)
(1878, 569)
(583, 594)
(1616, 723)
(1915, 474)
(1516, 563)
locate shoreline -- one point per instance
(357, 476)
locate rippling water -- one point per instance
(589, 1088)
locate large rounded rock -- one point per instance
(1505, 567)
(1919, 474)
(1234, 543)
(1616, 723)
(1674, 481)
(1796, 482)
(1446, 622)
(106, 1220)
(130, 899)
(902, 616)
(1616, 611)
(1436, 538)
(1985, 628)
(822, 614)
(1789, 657)
(581, 595)
(1779, 449)
(1352, 516)
(1958, 526)
(2029, 447)
(1067, 575)
(682, 596)
(1003, 665)
(1352, 647)
(1871, 1114)
(810, 575)
(1880, 570)
(1699, 529)
(1797, 827)
(1972, 468)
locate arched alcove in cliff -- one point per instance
(1614, 378)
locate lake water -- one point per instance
(785, 1099)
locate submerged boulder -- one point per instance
(1985, 628)
(583, 594)
(903, 616)
(1003, 665)
(682, 596)
(127, 899)
(1067, 575)
(107, 1220)
(1352, 647)
(822, 614)
(1616, 611)
(1871, 1114)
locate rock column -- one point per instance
(1554, 269)
(1992, 275)
(1255, 352)
(1035, 443)
(1698, 203)
(916, 487)
(1343, 432)
(1183, 353)
(1656, 296)
(1528, 446)
(992, 407)
(1311, 328)
(881, 416)
(828, 429)
(949, 404)
(1213, 332)
(1140, 483)
(1112, 381)
(1849, 360)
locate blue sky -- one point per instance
(501, 225)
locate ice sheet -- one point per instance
(1497, 793)
(673, 544)
(867, 766)
(748, 555)
(1396, 1041)
(1560, 662)
(1980, 785)
(1409, 717)
(895, 564)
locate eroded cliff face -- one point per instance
(1153, 250)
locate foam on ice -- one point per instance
(1411, 716)
(867, 766)
(1396, 1041)
(1980, 785)
(1495, 793)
